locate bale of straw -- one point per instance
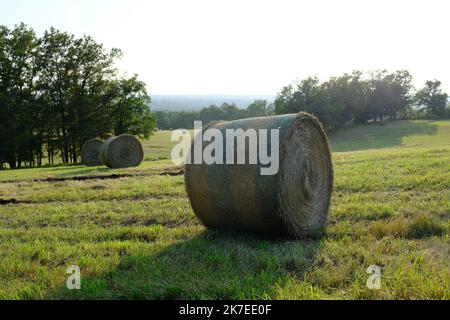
(90, 152)
(123, 151)
(294, 202)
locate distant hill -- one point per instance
(197, 102)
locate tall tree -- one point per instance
(57, 91)
(259, 108)
(433, 98)
(131, 112)
(401, 91)
(18, 110)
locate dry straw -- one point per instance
(294, 202)
(90, 152)
(122, 152)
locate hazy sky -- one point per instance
(252, 47)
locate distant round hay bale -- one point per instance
(293, 202)
(123, 151)
(90, 152)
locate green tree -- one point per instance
(231, 111)
(74, 82)
(18, 109)
(211, 113)
(380, 98)
(433, 98)
(259, 108)
(283, 99)
(57, 91)
(131, 111)
(351, 98)
(401, 92)
(308, 95)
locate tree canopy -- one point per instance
(350, 98)
(432, 97)
(57, 91)
(168, 120)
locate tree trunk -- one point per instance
(11, 160)
(74, 153)
(12, 164)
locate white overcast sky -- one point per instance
(252, 47)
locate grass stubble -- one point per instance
(136, 237)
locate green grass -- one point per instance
(137, 237)
(158, 147)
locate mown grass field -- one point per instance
(136, 236)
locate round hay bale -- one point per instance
(123, 151)
(90, 152)
(293, 202)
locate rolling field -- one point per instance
(134, 235)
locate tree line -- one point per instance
(342, 101)
(57, 91)
(358, 98)
(169, 120)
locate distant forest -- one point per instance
(168, 120)
(198, 102)
(339, 102)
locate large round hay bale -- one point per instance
(90, 152)
(123, 151)
(293, 202)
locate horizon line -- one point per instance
(211, 94)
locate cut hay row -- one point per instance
(293, 202)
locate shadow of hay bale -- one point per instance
(211, 265)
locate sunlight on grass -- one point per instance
(137, 237)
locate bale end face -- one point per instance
(294, 202)
(305, 180)
(90, 152)
(123, 151)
